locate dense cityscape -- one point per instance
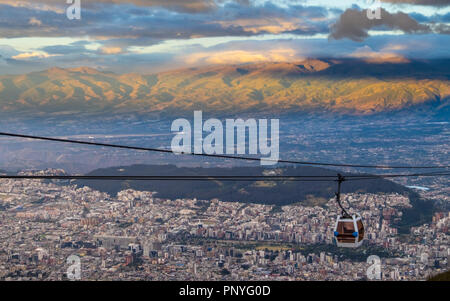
(138, 236)
(225, 148)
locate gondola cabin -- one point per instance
(349, 231)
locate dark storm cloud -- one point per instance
(354, 24)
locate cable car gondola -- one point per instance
(349, 229)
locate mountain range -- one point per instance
(347, 86)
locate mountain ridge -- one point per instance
(344, 86)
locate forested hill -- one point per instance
(278, 193)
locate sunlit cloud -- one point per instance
(273, 25)
(34, 21)
(111, 50)
(242, 56)
(31, 55)
(368, 55)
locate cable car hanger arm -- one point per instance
(340, 180)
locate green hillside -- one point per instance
(269, 192)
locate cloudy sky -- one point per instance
(148, 36)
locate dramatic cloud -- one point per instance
(111, 50)
(34, 21)
(242, 56)
(131, 22)
(84, 53)
(274, 26)
(368, 55)
(354, 24)
(31, 55)
(192, 6)
(155, 35)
